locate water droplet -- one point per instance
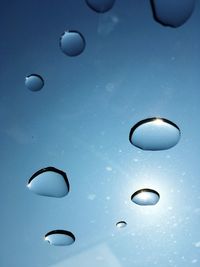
(145, 197)
(172, 13)
(49, 182)
(121, 224)
(72, 43)
(155, 134)
(34, 82)
(100, 6)
(60, 238)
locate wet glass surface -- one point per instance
(132, 68)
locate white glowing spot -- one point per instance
(197, 244)
(91, 196)
(144, 195)
(194, 261)
(159, 121)
(108, 168)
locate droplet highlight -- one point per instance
(145, 197)
(49, 182)
(72, 43)
(34, 82)
(173, 13)
(121, 224)
(155, 134)
(60, 238)
(100, 6)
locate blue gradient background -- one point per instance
(132, 68)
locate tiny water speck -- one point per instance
(154, 134)
(173, 13)
(121, 224)
(145, 197)
(72, 43)
(60, 238)
(50, 182)
(100, 6)
(34, 82)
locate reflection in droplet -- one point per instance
(72, 43)
(121, 224)
(145, 197)
(172, 13)
(100, 6)
(34, 82)
(60, 238)
(155, 134)
(49, 182)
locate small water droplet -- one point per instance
(72, 43)
(145, 197)
(100, 6)
(49, 182)
(155, 134)
(172, 13)
(121, 224)
(60, 238)
(34, 82)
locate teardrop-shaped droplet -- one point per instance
(49, 182)
(60, 238)
(34, 82)
(172, 13)
(72, 43)
(100, 6)
(155, 134)
(121, 224)
(145, 197)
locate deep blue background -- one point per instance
(132, 68)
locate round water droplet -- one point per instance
(100, 6)
(155, 134)
(145, 197)
(49, 182)
(60, 238)
(72, 43)
(34, 82)
(121, 224)
(172, 13)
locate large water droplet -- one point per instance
(155, 134)
(49, 182)
(145, 197)
(34, 82)
(172, 13)
(60, 238)
(100, 6)
(72, 43)
(121, 224)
